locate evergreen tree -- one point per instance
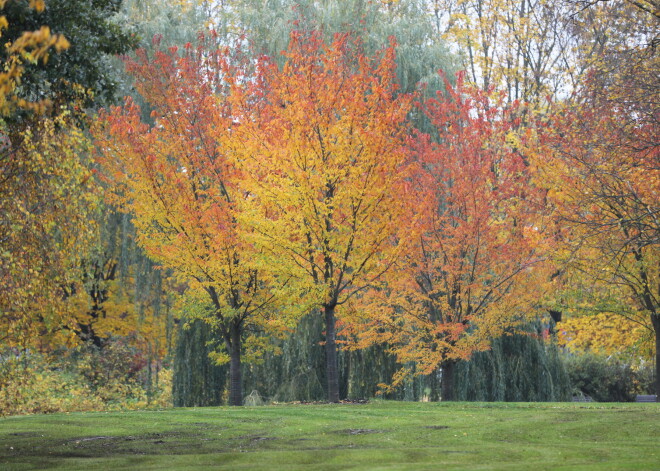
(94, 35)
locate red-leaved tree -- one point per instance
(467, 275)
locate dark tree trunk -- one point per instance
(332, 370)
(235, 380)
(448, 380)
(655, 320)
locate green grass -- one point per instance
(379, 435)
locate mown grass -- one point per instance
(379, 435)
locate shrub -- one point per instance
(85, 379)
(605, 379)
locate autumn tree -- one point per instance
(179, 182)
(123, 294)
(604, 183)
(23, 46)
(420, 52)
(468, 273)
(534, 49)
(47, 200)
(328, 165)
(46, 192)
(608, 334)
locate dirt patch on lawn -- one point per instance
(358, 431)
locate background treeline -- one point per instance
(89, 321)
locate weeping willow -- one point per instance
(197, 380)
(296, 372)
(265, 26)
(520, 367)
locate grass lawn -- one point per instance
(379, 435)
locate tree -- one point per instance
(46, 191)
(604, 181)
(419, 50)
(181, 184)
(521, 367)
(607, 334)
(47, 200)
(121, 293)
(24, 45)
(535, 49)
(326, 155)
(523, 47)
(479, 250)
(92, 37)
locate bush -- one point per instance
(85, 379)
(605, 379)
(29, 386)
(112, 372)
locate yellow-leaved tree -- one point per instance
(325, 152)
(43, 235)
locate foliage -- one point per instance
(539, 49)
(603, 183)
(328, 173)
(606, 379)
(123, 294)
(29, 386)
(419, 52)
(157, 25)
(48, 200)
(481, 243)
(293, 369)
(172, 23)
(518, 46)
(24, 46)
(83, 379)
(197, 380)
(180, 181)
(92, 36)
(113, 372)
(606, 334)
(291, 186)
(518, 367)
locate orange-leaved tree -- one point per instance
(180, 182)
(328, 164)
(481, 245)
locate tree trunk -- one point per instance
(331, 355)
(448, 380)
(235, 380)
(655, 320)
